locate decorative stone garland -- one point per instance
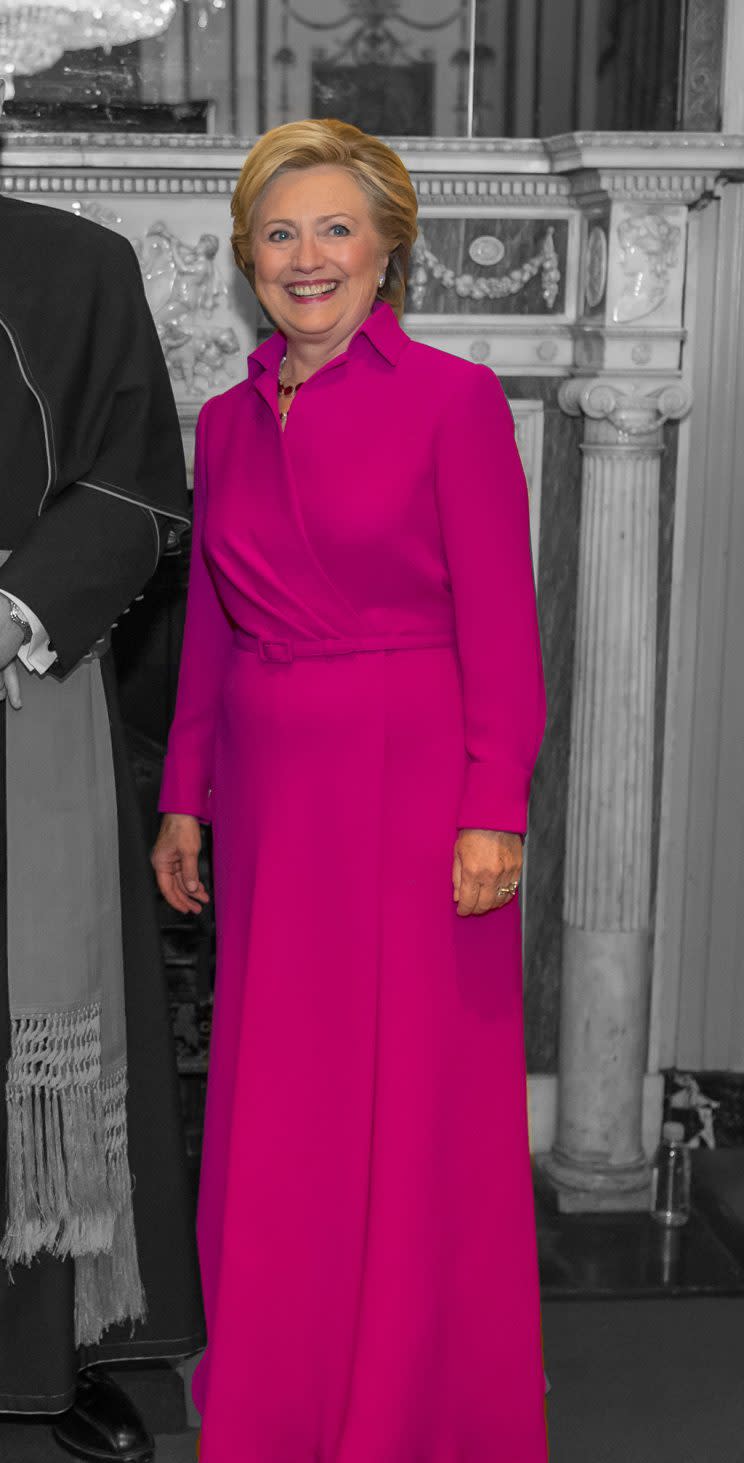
(466, 287)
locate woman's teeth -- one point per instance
(311, 289)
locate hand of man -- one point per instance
(11, 635)
(175, 859)
(486, 865)
(10, 685)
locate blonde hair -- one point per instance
(377, 169)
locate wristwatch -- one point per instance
(19, 619)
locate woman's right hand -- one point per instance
(175, 859)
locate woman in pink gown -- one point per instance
(360, 706)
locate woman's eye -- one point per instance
(342, 227)
(276, 232)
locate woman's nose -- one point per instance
(307, 254)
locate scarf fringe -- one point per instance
(108, 1287)
(69, 1188)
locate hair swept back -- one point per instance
(377, 169)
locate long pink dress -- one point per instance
(361, 675)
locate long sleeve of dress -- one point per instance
(484, 513)
(188, 768)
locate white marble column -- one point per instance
(598, 1161)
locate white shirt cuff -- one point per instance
(36, 655)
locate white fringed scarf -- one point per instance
(69, 1189)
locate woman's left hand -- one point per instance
(487, 865)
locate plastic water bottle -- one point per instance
(670, 1186)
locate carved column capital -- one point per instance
(635, 410)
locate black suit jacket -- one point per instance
(92, 477)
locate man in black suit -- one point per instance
(92, 485)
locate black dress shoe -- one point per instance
(103, 1425)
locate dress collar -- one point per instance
(381, 329)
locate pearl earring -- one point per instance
(381, 281)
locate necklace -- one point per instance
(288, 389)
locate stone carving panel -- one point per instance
(185, 290)
(202, 307)
(647, 265)
(595, 267)
(480, 266)
(487, 249)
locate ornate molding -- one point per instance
(511, 190)
(522, 154)
(665, 166)
(484, 287)
(660, 153)
(147, 182)
(121, 141)
(703, 64)
(525, 345)
(61, 175)
(632, 409)
(517, 154)
(648, 185)
(698, 152)
(621, 349)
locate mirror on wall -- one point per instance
(417, 68)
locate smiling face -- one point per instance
(317, 255)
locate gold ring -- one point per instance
(508, 889)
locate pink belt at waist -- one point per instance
(283, 652)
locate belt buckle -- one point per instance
(277, 651)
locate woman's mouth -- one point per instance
(315, 291)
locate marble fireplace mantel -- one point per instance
(569, 152)
(561, 207)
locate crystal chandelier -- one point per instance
(35, 33)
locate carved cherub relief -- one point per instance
(184, 289)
